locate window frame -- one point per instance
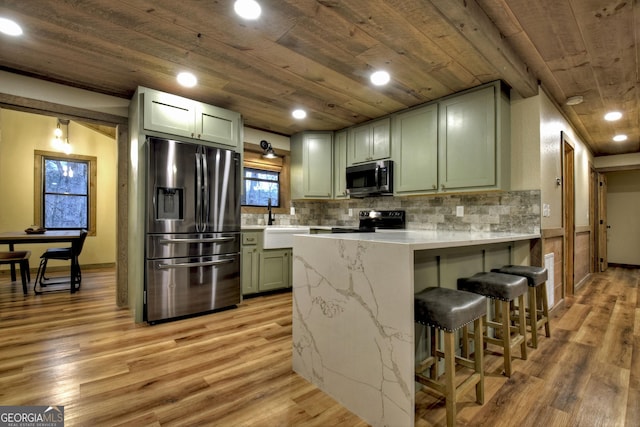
(252, 158)
(38, 202)
(266, 171)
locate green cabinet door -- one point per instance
(415, 149)
(369, 142)
(274, 269)
(340, 165)
(169, 114)
(217, 125)
(312, 165)
(381, 139)
(467, 140)
(249, 274)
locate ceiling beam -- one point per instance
(471, 21)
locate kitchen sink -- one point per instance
(276, 237)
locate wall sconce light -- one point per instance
(61, 138)
(268, 150)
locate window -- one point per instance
(257, 171)
(260, 186)
(64, 200)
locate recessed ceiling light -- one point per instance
(613, 116)
(620, 138)
(575, 100)
(9, 27)
(187, 79)
(299, 114)
(247, 9)
(380, 78)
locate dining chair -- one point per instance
(65, 254)
(22, 259)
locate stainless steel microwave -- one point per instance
(370, 179)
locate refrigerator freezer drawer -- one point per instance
(190, 245)
(184, 286)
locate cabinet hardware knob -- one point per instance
(435, 187)
(442, 187)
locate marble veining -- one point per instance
(353, 323)
(347, 340)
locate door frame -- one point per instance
(568, 213)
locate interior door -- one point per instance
(569, 215)
(602, 222)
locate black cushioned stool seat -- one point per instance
(504, 288)
(449, 310)
(538, 298)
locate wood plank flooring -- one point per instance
(233, 368)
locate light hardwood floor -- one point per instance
(233, 368)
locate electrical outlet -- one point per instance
(350, 212)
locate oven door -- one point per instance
(184, 286)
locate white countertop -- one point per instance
(424, 239)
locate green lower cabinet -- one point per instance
(274, 269)
(263, 269)
(250, 268)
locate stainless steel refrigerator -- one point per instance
(192, 246)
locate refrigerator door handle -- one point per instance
(205, 190)
(211, 240)
(198, 190)
(195, 264)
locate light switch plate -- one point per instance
(292, 211)
(459, 210)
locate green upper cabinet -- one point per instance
(368, 142)
(470, 139)
(312, 165)
(340, 165)
(415, 150)
(175, 115)
(217, 125)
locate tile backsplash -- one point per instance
(514, 211)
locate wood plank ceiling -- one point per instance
(318, 54)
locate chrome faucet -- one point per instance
(270, 217)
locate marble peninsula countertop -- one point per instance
(425, 239)
(353, 329)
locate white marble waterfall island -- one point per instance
(353, 328)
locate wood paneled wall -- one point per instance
(582, 261)
(555, 244)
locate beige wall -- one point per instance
(536, 156)
(623, 216)
(525, 143)
(22, 133)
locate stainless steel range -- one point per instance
(192, 246)
(371, 220)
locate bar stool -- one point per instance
(504, 289)
(538, 315)
(449, 310)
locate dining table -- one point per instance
(12, 238)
